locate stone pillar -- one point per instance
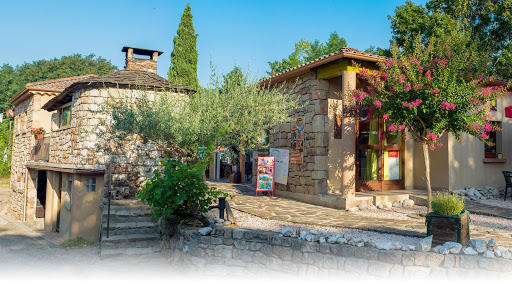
(349, 139)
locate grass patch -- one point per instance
(75, 243)
(5, 182)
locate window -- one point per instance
(65, 116)
(493, 151)
(90, 184)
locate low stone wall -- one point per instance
(232, 251)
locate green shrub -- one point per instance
(180, 190)
(444, 203)
(75, 243)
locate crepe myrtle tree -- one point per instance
(434, 90)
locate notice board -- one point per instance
(281, 162)
(265, 177)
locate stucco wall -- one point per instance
(438, 166)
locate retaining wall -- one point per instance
(244, 252)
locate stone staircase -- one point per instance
(132, 230)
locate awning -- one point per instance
(508, 111)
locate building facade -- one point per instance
(70, 171)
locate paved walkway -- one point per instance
(288, 210)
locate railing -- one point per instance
(41, 151)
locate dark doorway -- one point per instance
(41, 193)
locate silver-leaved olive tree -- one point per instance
(439, 89)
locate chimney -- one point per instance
(144, 64)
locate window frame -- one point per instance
(61, 113)
(88, 184)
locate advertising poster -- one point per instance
(297, 140)
(265, 178)
(281, 159)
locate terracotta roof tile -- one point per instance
(58, 84)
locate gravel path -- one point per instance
(498, 203)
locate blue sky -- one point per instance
(250, 33)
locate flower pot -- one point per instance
(490, 155)
(454, 228)
(39, 136)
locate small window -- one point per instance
(90, 184)
(495, 150)
(65, 116)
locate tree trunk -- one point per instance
(242, 166)
(427, 174)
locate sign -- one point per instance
(282, 159)
(297, 140)
(394, 165)
(265, 178)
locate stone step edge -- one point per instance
(130, 225)
(131, 237)
(113, 252)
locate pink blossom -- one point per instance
(420, 68)
(392, 90)
(439, 145)
(401, 80)
(475, 127)
(382, 135)
(461, 142)
(392, 127)
(377, 104)
(407, 87)
(447, 105)
(487, 127)
(385, 116)
(483, 136)
(428, 75)
(410, 105)
(431, 136)
(435, 91)
(414, 60)
(401, 127)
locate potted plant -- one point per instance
(38, 133)
(448, 221)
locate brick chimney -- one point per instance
(144, 64)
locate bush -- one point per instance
(180, 190)
(444, 203)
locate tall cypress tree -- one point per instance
(183, 68)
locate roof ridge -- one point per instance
(60, 79)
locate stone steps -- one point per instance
(128, 241)
(132, 230)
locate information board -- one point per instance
(265, 177)
(282, 160)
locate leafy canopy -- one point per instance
(183, 69)
(306, 51)
(489, 23)
(433, 90)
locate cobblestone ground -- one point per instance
(288, 210)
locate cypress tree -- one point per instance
(183, 68)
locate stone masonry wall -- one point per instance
(311, 176)
(82, 143)
(23, 143)
(244, 252)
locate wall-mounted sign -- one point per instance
(494, 105)
(297, 140)
(265, 178)
(282, 159)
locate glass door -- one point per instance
(379, 158)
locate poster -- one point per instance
(393, 165)
(265, 179)
(297, 140)
(281, 159)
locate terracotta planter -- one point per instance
(39, 136)
(454, 228)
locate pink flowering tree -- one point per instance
(435, 90)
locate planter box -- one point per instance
(454, 228)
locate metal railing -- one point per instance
(41, 150)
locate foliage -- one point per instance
(489, 23)
(433, 90)
(75, 243)
(378, 51)
(306, 51)
(183, 69)
(444, 203)
(235, 77)
(180, 190)
(5, 150)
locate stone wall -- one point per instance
(23, 143)
(243, 252)
(82, 143)
(311, 176)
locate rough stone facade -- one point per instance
(241, 252)
(81, 143)
(311, 176)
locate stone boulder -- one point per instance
(450, 247)
(479, 245)
(408, 203)
(287, 231)
(425, 244)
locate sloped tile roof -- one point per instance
(122, 79)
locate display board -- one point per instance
(282, 160)
(265, 177)
(297, 140)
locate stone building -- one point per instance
(64, 177)
(339, 154)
